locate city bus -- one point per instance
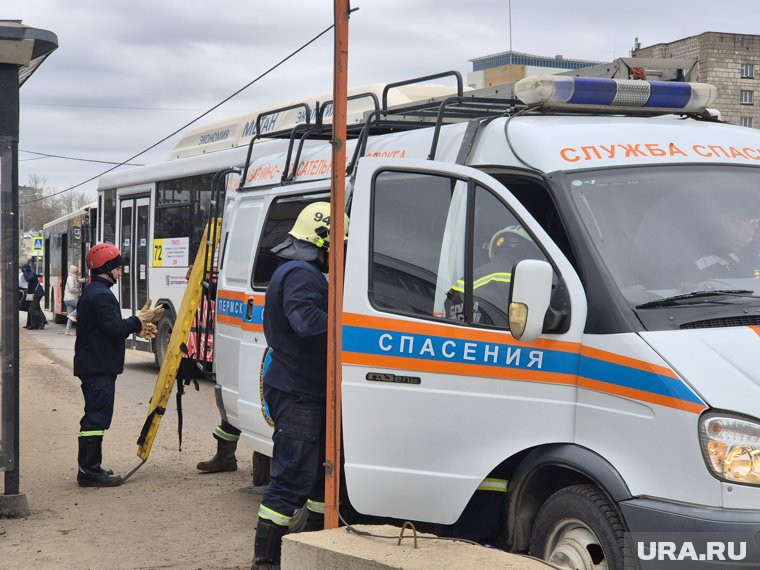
(156, 214)
(66, 241)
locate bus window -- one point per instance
(108, 207)
(182, 208)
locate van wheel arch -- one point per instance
(546, 470)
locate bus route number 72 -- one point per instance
(158, 252)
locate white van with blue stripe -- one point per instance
(616, 385)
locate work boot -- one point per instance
(82, 459)
(267, 545)
(90, 473)
(223, 460)
(314, 521)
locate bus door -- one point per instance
(57, 283)
(46, 270)
(133, 236)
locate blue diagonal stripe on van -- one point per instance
(481, 358)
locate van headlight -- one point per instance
(731, 446)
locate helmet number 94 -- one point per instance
(320, 217)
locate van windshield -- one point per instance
(665, 232)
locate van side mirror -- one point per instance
(529, 298)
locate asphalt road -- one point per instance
(168, 515)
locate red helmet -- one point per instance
(101, 254)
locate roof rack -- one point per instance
(383, 119)
(464, 106)
(318, 130)
(485, 103)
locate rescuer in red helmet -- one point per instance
(99, 357)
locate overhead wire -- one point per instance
(41, 155)
(154, 145)
(120, 107)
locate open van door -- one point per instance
(436, 389)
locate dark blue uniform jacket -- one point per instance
(101, 331)
(295, 326)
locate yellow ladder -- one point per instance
(167, 376)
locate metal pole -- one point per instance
(335, 306)
(9, 351)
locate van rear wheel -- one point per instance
(578, 528)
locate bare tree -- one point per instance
(40, 205)
(69, 201)
(35, 210)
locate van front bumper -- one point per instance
(651, 515)
(691, 533)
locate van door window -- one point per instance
(536, 199)
(499, 242)
(414, 216)
(280, 218)
(444, 248)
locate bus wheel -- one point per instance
(163, 334)
(578, 528)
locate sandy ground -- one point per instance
(167, 515)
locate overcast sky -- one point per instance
(129, 72)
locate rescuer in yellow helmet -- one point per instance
(295, 382)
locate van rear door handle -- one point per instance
(249, 310)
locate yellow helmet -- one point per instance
(510, 238)
(313, 225)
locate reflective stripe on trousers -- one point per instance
(274, 516)
(92, 433)
(226, 436)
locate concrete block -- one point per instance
(339, 549)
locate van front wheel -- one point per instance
(578, 528)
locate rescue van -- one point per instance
(557, 286)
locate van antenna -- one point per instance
(510, 32)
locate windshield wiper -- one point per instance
(696, 297)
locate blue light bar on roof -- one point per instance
(576, 92)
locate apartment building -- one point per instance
(731, 62)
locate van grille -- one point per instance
(744, 321)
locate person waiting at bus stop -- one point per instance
(71, 292)
(99, 357)
(34, 294)
(295, 383)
